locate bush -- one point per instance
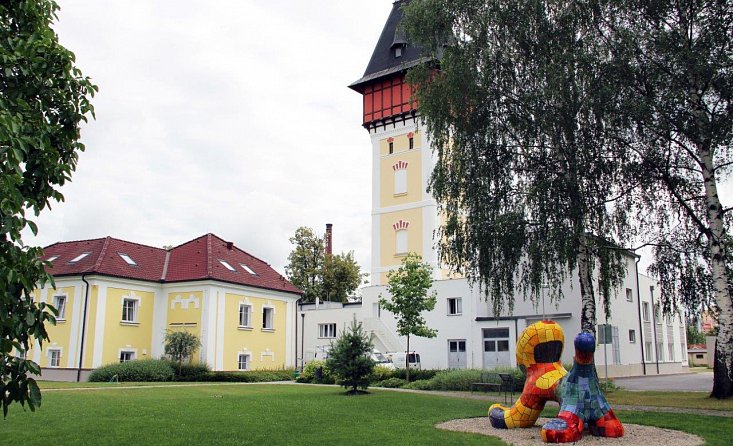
(391, 383)
(150, 370)
(415, 374)
(349, 358)
(310, 372)
(380, 373)
(253, 376)
(190, 372)
(460, 379)
(518, 375)
(420, 384)
(608, 386)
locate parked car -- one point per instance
(398, 359)
(381, 360)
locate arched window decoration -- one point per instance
(401, 236)
(400, 177)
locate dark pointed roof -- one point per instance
(198, 259)
(383, 61)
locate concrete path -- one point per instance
(687, 382)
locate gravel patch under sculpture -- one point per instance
(634, 434)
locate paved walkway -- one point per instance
(685, 382)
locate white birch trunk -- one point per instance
(587, 299)
(723, 368)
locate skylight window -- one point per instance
(248, 269)
(127, 259)
(227, 265)
(52, 258)
(79, 257)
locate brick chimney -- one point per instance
(329, 238)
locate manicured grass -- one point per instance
(87, 385)
(717, 431)
(691, 400)
(241, 414)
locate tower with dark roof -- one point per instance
(404, 215)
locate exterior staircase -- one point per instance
(384, 339)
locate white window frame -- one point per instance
(265, 325)
(51, 352)
(247, 361)
(132, 355)
(458, 307)
(645, 312)
(226, 265)
(79, 257)
(629, 295)
(247, 268)
(400, 181)
(670, 350)
(135, 310)
(248, 322)
(127, 259)
(632, 336)
(401, 241)
(61, 308)
(648, 351)
(327, 330)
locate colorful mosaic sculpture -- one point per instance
(582, 403)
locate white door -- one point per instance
(457, 354)
(496, 347)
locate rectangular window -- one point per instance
(226, 265)
(248, 269)
(59, 302)
(391, 148)
(629, 295)
(243, 361)
(670, 350)
(632, 336)
(660, 351)
(129, 310)
(400, 181)
(79, 257)
(54, 358)
(645, 311)
(455, 306)
(326, 330)
(647, 351)
(267, 318)
(127, 356)
(401, 237)
(245, 315)
(127, 259)
(412, 143)
(656, 314)
(615, 345)
(457, 346)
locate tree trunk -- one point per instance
(723, 366)
(407, 358)
(587, 299)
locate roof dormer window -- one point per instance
(79, 257)
(227, 265)
(398, 51)
(127, 259)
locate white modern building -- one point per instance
(404, 219)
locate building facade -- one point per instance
(117, 299)
(405, 219)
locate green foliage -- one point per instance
(459, 379)
(380, 373)
(408, 287)
(420, 384)
(310, 373)
(191, 372)
(180, 345)
(252, 376)
(43, 100)
(391, 383)
(524, 173)
(137, 370)
(694, 336)
(319, 275)
(415, 374)
(349, 358)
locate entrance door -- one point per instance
(457, 354)
(496, 347)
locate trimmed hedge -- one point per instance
(148, 370)
(252, 376)
(190, 372)
(420, 384)
(391, 383)
(415, 374)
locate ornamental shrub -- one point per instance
(459, 379)
(150, 370)
(420, 384)
(191, 372)
(310, 373)
(391, 383)
(415, 374)
(252, 376)
(380, 373)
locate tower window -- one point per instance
(412, 142)
(401, 241)
(398, 51)
(391, 148)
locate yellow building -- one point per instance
(116, 300)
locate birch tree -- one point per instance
(517, 108)
(674, 63)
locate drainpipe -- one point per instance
(654, 328)
(302, 339)
(641, 324)
(83, 328)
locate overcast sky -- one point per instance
(231, 117)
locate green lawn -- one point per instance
(272, 414)
(93, 385)
(693, 400)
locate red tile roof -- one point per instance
(199, 259)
